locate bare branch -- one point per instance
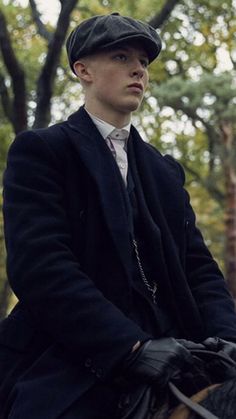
(42, 30)
(4, 299)
(232, 59)
(5, 99)
(17, 76)
(159, 19)
(48, 73)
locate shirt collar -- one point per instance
(107, 129)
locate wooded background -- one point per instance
(189, 110)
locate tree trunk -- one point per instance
(230, 204)
(16, 109)
(5, 295)
(48, 73)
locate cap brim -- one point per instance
(152, 48)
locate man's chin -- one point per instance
(132, 106)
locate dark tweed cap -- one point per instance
(106, 31)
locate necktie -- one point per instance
(116, 141)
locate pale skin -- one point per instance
(114, 83)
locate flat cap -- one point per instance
(106, 31)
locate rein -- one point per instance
(189, 402)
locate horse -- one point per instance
(208, 391)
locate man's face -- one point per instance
(118, 79)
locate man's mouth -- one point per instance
(136, 86)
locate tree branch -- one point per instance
(232, 60)
(19, 113)
(210, 131)
(159, 19)
(48, 73)
(4, 299)
(5, 99)
(42, 30)
(208, 183)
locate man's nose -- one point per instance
(138, 69)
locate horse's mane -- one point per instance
(221, 401)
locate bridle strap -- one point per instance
(195, 407)
(220, 355)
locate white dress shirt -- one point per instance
(116, 139)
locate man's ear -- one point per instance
(81, 69)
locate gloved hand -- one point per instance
(157, 361)
(191, 346)
(217, 344)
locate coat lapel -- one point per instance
(100, 163)
(163, 193)
(161, 186)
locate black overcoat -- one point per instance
(69, 263)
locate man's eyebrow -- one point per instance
(115, 49)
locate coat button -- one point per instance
(124, 401)
(88, 363)
(99, 373)
(81, 213)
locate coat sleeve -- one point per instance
(206, 281)
(43, 271)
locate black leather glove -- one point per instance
(157, 361)
(217, 344)
(191, 346)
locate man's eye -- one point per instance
(121, 57)
(144, 63)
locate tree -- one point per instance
(198, 95)
(209, 104)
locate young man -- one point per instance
(103, 252)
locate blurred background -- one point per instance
(189, 110)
